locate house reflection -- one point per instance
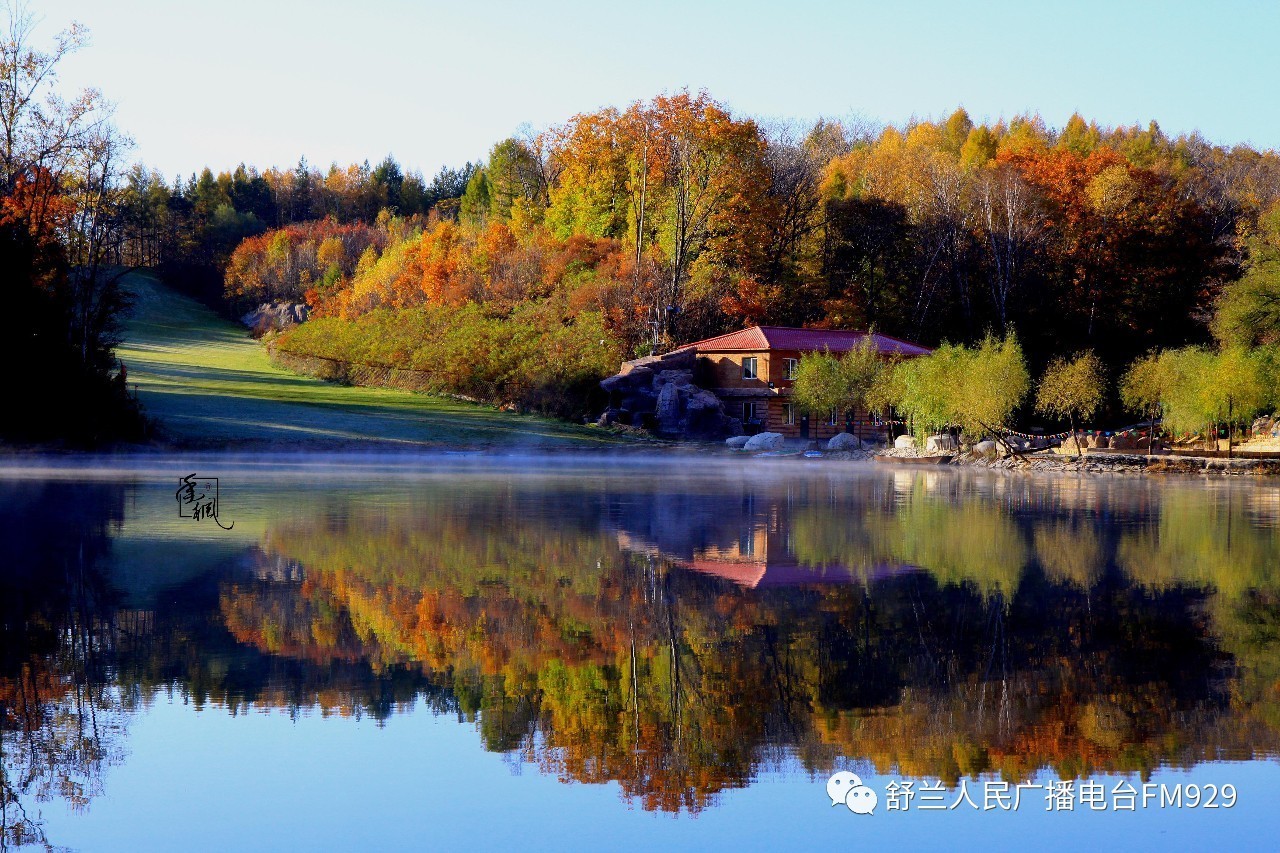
(760, 557)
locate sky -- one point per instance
(265, 82)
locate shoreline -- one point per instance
(288, 453)
(1126, 464)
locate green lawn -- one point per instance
(205, 381)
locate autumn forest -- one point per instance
(526, 276)
(674, 219)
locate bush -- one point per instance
(535, 358)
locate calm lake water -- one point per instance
(545, 653)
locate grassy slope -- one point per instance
(204, 380)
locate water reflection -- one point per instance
(677, 635)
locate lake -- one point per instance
(428, 652)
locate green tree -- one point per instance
(1236, 390)
(975, 389)
(1072, 389)
(474, 208)
(819, 383)
(1181, 377)
(1142, 388)
(993, 382)
(1247, 312)
(824, 382)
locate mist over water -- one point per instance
(673, 636)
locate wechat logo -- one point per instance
(845, 787)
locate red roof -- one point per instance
(759, 338)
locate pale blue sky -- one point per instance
(436, 83)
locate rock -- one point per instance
(659, 394)
(683, 359)
(988, 449)
(608, 417)
(673, 377)
(1123, 442)
(614, 383)
(700, 400)
(639, 402)
(1072, 445)
(765, 441)
(844, 441)
(905, 442)
(704, 415)
(273, 316)
(668, 409)
(941, 444)
(737, 442)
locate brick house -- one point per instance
(752, 372)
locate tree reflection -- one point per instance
(677, 641)
(1005, 638)
(61, 716)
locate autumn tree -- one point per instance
(62, 226)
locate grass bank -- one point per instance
(205, 382)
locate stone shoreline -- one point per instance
(1117, 463)
(1099, 463)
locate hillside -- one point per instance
(206, 382)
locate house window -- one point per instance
(749, 367)
(832, 419)
(751, 412)
(788, 414)
(789, 366)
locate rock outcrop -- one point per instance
(904, 442)
(658, 393)
(274, 316)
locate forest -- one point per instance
(628, 231)
(624, 231)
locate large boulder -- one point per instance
(987, 448)
(844, 441)
(737, 442)
(765, 441)
(941, 444)
(1124, 442)
(905, 442)
(1072, 445)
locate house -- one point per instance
(751, 371)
